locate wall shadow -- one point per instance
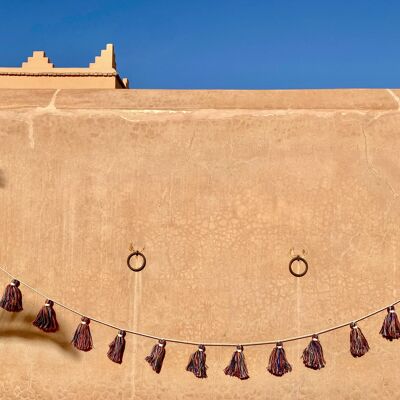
(19, 325)
(2, 179)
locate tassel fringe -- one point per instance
(313, 356)
(82, 339)
(237, 366)
(391, 327)
(46, 319)
(197, 363)
(278, 364)
(12, 297)
(117, 348)
(156, 357)
(358, 343)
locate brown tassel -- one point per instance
(117, 348)
(278, 364)
(313, 356)
(237, 366)
(12, 297)
(156, 357)
(358, 343)
(197, 363)
(46, 319)
(82, 339)
(391, 327)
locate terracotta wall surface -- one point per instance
(221, 188)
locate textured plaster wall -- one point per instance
(221, 188)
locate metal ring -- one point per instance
(298, 258)
(137, 254)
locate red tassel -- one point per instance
(197, 363)
(237, 366)
(82, 339)
(12, 297)
(313, 356)
(156, 357)
(117, 348)
(278, 364)
(391, 327)
(46, 319)
(358, 343)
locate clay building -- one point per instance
(38, 72)
(219, 189)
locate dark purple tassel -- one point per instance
(46, 319)
(278, 364)
(12, 297)
(197, 363)
(391, 327)
(156, 357)
(313, 356)
(358, 343)
(117, 348)
(237, 366)
(82, 339)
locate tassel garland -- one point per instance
(313, 356)
(197, 363)
(237, 366)
(156, 357)
(278, 365)
(82, 339)
(117, 348)
(358, 343)
(12, 297)
(391, 327)
(46, 319)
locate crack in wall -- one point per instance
(52, 103)
(30, 115)
(31, 134)
(371, 167)
(143, 115)
(395, 98)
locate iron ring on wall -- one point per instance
(298, 258)
(136, 254)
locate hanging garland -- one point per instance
(278, 365)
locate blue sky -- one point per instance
(227, 44)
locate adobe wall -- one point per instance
(220, 188)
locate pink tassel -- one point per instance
(391, 327)
(358, 343)
(117, 348)
(46, 319)
(156, 357)
(197, 363)
(82, 339)
(237, 366)
(12, 297)
(313, 356)
(278, 364)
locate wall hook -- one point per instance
(300, 259)
(136, 253)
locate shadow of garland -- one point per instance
(2, 179)
(23, 329)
